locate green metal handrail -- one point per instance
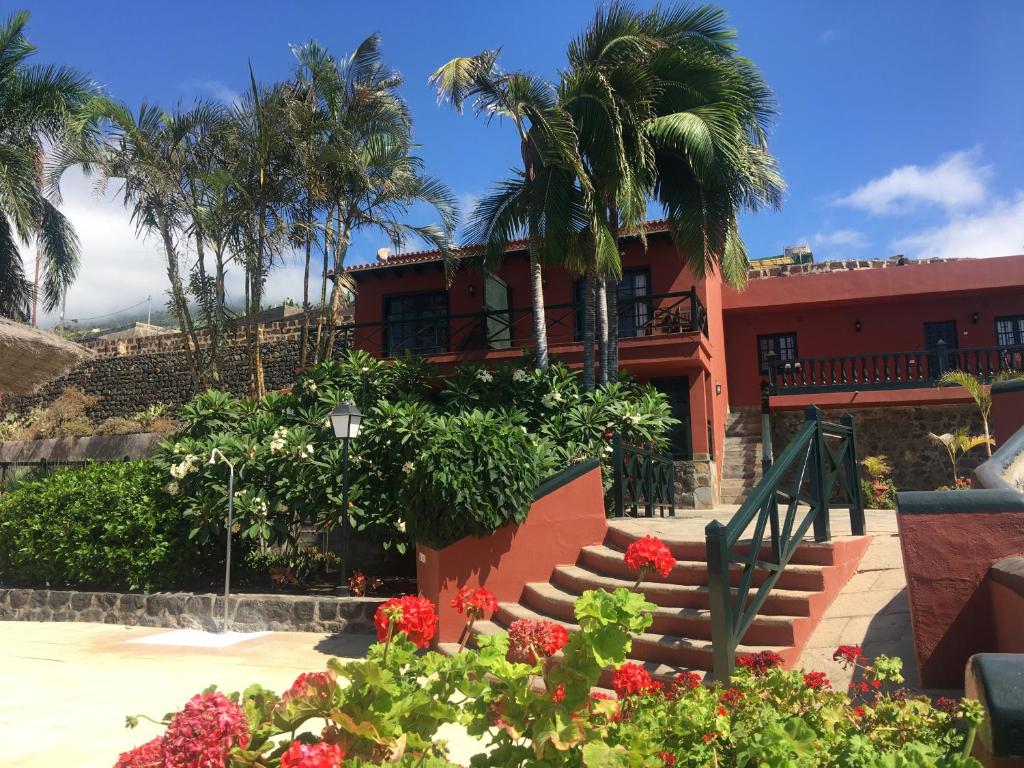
(643, 480)
(810, 471)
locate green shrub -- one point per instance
(101, 527)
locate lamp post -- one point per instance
(214, 454)
(346, 419)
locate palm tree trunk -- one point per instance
(304, 335)
(340, 251)
(588, 321)
(192, 352)
(328, 237)
(601, 303)
(540, 321)
(612, 300)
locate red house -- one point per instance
(865, 335)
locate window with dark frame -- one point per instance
(782, 344)
(416, 323)
(1010, 331)
(634, 304)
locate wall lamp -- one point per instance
(975, 317)
(472, 289)
(718, 388)
(857, 325)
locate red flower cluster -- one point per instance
(148, 755)
(317, 686)
(633, 680)
(732, 697)
(319, 755)
(204, 732)
(817, 681)
(863, 687)
(947, 705)
(667, 758)
(686, 681)
(650, 554)
(759, 662)
(529, 639)
(415, 616)
(475, 603)
(848, 654)
(558, 694)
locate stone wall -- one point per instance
(838, 265)
(94, 447)
(696, 482)
(130, 383)
(901, 433)
(248, 613)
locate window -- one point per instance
(634, 304)
(416, 323)
(944, 331)
(1010, 331)
(782, 344)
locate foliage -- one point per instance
(877, 489)
(980, 391)
(435, 460)
(957, 443)
(68, 416)
(106, 526)
(526, 710)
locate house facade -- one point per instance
(861, 336)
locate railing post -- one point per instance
(767, 456)
(822, 530)
(618, 497)
(723, 644)
(942, 356)
(853, 478)
(648, 454)
(772, 361)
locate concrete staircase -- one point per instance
(680, 637)
(741, 466)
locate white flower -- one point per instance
(364, 369)
(177, 471)
(520, 375)
(277, 445)
(525, 431)
(177, 447)
(310, 385)
(408, 467)
(172, 488)
(485, 376)
(307, 452)
(239, 494)
(280, 507)
(400, 525)
(327, 422)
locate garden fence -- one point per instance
(643, 482)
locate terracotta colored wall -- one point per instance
(947, 553)
(894, 324)
(1007, 409)
(1008, 618)
(557, 527)
(718, 403)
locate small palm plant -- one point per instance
(877, 488)
(980, 392)
(957, 443)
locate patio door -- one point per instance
(677, 390)
(944, 331)
(497, 318)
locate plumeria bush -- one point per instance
(529, 697)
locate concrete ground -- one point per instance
(66, 688)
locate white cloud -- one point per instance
(998, 231)
(839, 238)
(956, 183)
(214, 88)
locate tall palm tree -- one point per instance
(981, 392)
(40, 106)
(546, 137)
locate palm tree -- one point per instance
(980, 392)
(546, 138)
(40, 106)
(957, 443)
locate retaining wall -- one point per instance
(249, 613)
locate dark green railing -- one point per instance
(643, 481)
(816, 473)
(888, 370)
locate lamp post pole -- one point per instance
(214, 454)
(345, 527)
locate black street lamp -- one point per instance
(346, 419)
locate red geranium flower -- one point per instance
(686, 681)
(633, 680)
(317, 686)
(203, 733)
(558, 694)
(817, 681)
(319, 755)
(650, 554)
(858, 711)
(475, 603)
(760, 662)
(415, 616)
(530, 639)
(848, 654)
(732, 697)
(148, 755)
(667, 758)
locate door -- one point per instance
(677, 389)
(497, 319)
(944, 330)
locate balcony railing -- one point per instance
(888, 370)
(660, 314)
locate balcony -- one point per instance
(887, 370)
(490, 332)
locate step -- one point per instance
(808, 553)
(610, 562)
(556, 603)
(780, 602)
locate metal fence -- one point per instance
(643, 481)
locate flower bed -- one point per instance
(529, 697)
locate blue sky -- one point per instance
(901, 125)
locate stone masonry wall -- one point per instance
(695, 482)
(901, 433)
(248, 613)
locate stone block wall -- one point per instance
(696, 482)
(901, 433)
(248, 613)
